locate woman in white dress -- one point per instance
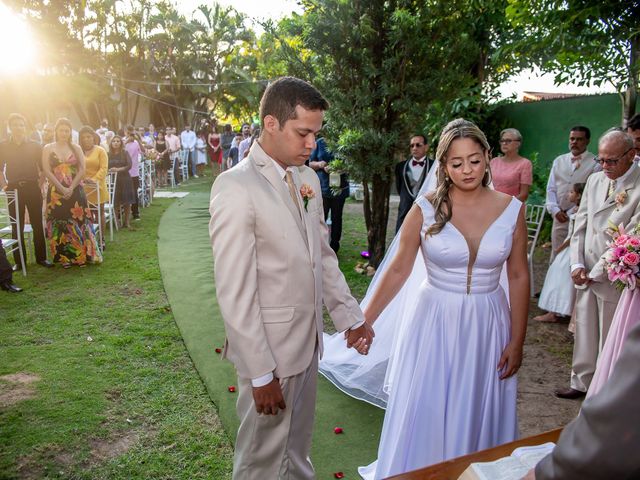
(558, 294)
(450, 374)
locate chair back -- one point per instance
(10, 217)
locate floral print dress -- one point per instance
(69, 229)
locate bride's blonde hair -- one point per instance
(440, 199)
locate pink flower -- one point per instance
(307, 193)
(619, 252)
(633, 242)
(631, 258)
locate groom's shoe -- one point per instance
(569, 393)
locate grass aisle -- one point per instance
(95, 382)
(187, 270)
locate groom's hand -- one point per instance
(360, 338)
(269, 399)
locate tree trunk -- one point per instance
(135, 110)
(80, 112)
(379, 213)
(631, 94)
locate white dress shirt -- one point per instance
(416, 170)
(552, 202)
(188, 139)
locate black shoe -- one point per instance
(45, 263)
(10, 287)
(569, 393)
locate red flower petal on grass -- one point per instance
(218, 350)
(338, 475)
(337, 430)
(232, 389)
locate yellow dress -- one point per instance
(96, 166)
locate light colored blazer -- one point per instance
(589, 240)
(273, 270)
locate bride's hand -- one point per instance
(510, 360)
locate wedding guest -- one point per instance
(558, 293)
(20, 160)
(215, 149)
(36, 134)
(69, 229)
(567, 169)
(148, 139)
(232, 159)
(102, 131)
(201, 151)
(188, 142)
(609, 197)
(226, 138)
(162, 164)
(173, 146)
(512, 173)
(243, 148)
(410, 175)
(333, 197)
(603, 442)
(108, 136)
(124, 194)
(633, 129)
(47, 134)
(96, 166)
(134, 149)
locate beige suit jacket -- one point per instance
(273, 270)
(589, 240)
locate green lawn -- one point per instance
(108, 389)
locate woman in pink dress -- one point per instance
(511, 173)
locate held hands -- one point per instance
(562, 217)
(360, 338)
(66, 193)
(510, 360)
(269, 398)
(580, 277)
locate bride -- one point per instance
(447, 343)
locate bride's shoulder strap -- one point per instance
(425, 205)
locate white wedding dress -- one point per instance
(445, 396)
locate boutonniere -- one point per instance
(621, 197)
(307, 193)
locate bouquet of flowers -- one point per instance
(622, 258)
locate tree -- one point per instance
(595, 41)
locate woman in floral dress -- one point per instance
(69, 230)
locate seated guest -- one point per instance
(124, 195)
(603, 442)
(558, 293)
(511, 173)
(96, 166)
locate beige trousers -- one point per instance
(276, 447)
(593, 318)
(559, 233)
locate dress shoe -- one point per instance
(569, 393)
(10, 287)
(45, 263)
(16, 268)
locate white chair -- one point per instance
(141, 182)
(184, 164)
(8, 202)
(534, 215)
(171, 172)
(150, 181)
(91, 188)
(109, 207)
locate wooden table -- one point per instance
(452, 469)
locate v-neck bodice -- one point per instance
(447, 255)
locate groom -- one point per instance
(274, 268)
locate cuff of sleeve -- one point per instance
(553, 210)
(576, 266)
(357, 325)
(262, 381)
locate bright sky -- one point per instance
(14, 32)
(254, 9)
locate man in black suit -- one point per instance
(410, 175)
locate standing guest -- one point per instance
(558, 294)
(243, 148)
(47, 134)
(333, 197)
(410, 175)
(148, 139)
(96, 166)
(274, 328)
(511, 173)
(610, 197)
(152, 130)
(20, 160)
(215, 149)
(162, 163)
(124, 195)
(36, 135)
(633, 129)
(226, 139)
(188, 142)
(232, 159)
(134, 149)
(102, 131)
(173, 147)
(567, 169)
(108, 136)
(201, 151)
(69, 229)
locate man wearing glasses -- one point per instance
(410, 175)
(567, 169)
(611, 197)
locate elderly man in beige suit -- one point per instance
(274, 269)
(610, 197)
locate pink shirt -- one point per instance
(133, 148)
(508, 176)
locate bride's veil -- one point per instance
(366, 377)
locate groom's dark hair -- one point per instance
(281, 98)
